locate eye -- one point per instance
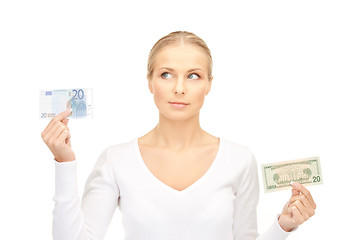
(164, 74)
(195, 74)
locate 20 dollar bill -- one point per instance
(277, 176)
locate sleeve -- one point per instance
(245, 206)
(86, 219)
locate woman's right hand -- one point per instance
(57, 137)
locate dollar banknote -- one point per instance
(53, 102)
(278, 175)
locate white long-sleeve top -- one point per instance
(221, 205)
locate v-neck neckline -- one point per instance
(167, 187)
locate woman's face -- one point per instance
(180, 75)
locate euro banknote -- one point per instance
(53, 102)
(278, 175)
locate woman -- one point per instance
(175, 182)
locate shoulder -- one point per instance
(123, 148)
(238, 153)
(116, 152)
(241, 164)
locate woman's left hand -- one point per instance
(298, 209)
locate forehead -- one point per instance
(186, 56)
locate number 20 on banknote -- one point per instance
(277, 176)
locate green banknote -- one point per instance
(53, 102)
(278, 175)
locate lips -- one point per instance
(178, 103)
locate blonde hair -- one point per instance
(175, 38)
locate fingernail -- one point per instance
(291, 183)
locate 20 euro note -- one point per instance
(277, 176)
(53, 102)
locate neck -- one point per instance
(178, 134)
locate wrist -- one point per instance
(61, 161)
(284, 227)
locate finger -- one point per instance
(59, 131)
(63, 136)
(301, 209)
(61, 116)
(305, 201)
(299, 187)
(297, 216)
(67, 140)
(294, 198)
(58, 117)
(65, 121)
(295, 192)
(285, 208)
(47, 129)
(50, 134)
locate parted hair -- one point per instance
(174, 39)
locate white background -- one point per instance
(286, 84)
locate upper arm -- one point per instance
(246, 201)
(100, 197)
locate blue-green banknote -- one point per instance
(53, 102)
(278, 175)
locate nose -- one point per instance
(180, 88)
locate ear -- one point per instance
(210, 83)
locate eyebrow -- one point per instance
(188, 70)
